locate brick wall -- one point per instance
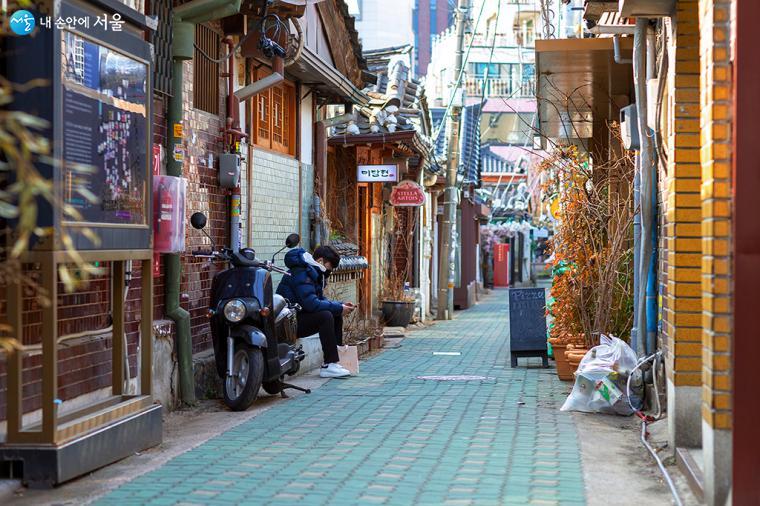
(202, 138)
(275, 198)
(681, 229)
(716, 284)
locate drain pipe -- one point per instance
(647, 173)
(185, 17)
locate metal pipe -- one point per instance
(635, 341)
(647, 171)
(172, 264)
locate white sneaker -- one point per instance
(334, 370)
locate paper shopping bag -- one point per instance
(349, 358)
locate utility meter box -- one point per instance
(629, 127)
(229, 170)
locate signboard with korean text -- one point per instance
(407, 194)
(376, 173)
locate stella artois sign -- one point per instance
(407, 193)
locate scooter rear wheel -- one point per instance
(241, 389)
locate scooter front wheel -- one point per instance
(242, 387)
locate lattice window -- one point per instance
(275, 117)
(206, 72)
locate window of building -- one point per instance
(274, 117)
(205, 72)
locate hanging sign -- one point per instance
(407, 193)
(376, 173)
(178, 131)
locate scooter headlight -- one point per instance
(235, 310)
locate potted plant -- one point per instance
(397, 302)
(592, 251)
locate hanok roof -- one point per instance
(396, 103)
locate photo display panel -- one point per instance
(105, 133)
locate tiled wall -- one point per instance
(275, 201)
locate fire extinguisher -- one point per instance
(163, 205)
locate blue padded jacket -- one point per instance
(305, 285)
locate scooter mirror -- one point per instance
(198, 220)
(292, 240)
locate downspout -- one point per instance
(646, 310)
(186, 16)
(652, 303)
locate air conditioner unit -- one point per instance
(646, 8)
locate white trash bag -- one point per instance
(601, 378)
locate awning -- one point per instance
(580, 87)
(312, 70)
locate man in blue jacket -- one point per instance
(305, 286)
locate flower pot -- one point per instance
(397, 313)
(563, 369)
(362, 347)
(574, 355)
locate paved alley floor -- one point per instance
(415, 427)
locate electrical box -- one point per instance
(169, 194)
(629, 127)
(229, 170)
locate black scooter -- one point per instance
(251, 326)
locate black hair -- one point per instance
(328, 254)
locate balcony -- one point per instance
(500, 87)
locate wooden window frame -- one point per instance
(275, 117)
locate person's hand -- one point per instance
(347, 309)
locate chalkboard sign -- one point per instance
(527, 324)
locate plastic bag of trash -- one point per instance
(601, 379)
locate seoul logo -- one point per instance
(22, 22)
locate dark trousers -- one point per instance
(329, 327)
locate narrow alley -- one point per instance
(440, 419)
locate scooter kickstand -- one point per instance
(294, 387)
